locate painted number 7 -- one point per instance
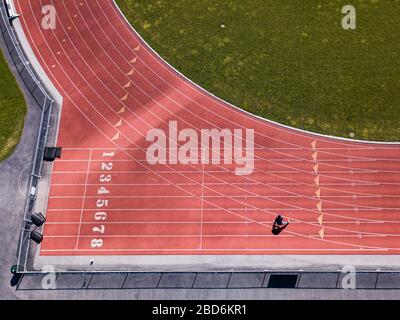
(100, 229)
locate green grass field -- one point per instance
(12, 110)
(288, 61)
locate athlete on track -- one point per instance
(279, 225)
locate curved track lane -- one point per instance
(342, 197)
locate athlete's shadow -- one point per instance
(15, 279)
(276, 229)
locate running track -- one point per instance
(342, 197)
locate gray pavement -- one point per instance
(14, 174)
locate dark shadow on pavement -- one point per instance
(15, 279)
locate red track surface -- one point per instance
(115, 89)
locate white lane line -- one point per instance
(196, 236)
(194, 222)
(83, 202)
(213, 184)
(245, 196)
(255, 148)
(202, 208)
(222, 249)
(216, 209)
(351, 172)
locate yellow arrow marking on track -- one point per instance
(121, 111)
(128, 84)
(320, 219)
(316, 167)
(130, 72)
(119, 123)
(124, 98)
(322, 233)
(315, 155)
(318, 193)
(319, 206)
(116, 137)
(133, 60)
(314, 144)
(316, 180)
(137, 48)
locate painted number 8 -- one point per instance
(96, 243)
(105, 178)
